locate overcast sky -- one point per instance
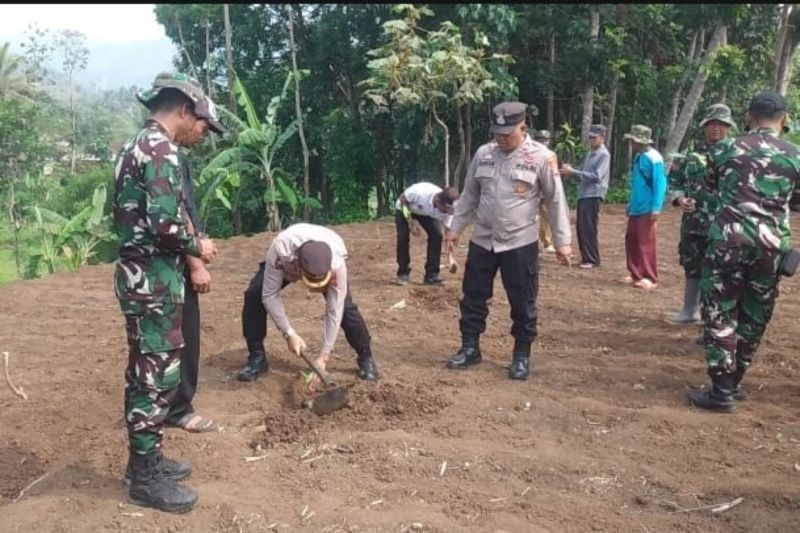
(101, 24)
(127, 45)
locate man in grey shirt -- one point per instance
(592, 187)
(504, 184)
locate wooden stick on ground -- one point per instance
(35, 481)
(18, 391)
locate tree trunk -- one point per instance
(588, 88)
(778, 65)
(229, 57)
(299, 111)
(74, 126)
(695, 93)
(551, 60)
(185, 49)
(468, 138)
(209, 88)
(784, 53)
(461, 166)
(12, 215)
(612, 112)
(446, 132)
(273, 216)
(676, 98)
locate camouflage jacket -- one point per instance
(756, 175)
(687, 179)
(150, 219)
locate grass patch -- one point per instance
(28, 243)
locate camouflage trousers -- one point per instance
(738, 290)
(153, 373)
(691, 251)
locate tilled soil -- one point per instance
(601, 438)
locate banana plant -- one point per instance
(257, 144)
(286, 194)
(74, 241)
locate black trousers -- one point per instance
(254, 319)
(190, 356)
(433, 228)
(519, 269)
(588, 214)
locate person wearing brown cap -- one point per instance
(749, 245)
(504, 184)
(691, 191)
(315, 255)
(592, 180)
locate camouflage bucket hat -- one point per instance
(641, 134)
(203, 106)
(720, 113)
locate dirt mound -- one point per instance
(435, 298)
(377, 406)
(287, 426)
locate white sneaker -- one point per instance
(550, 249)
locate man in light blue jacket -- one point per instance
(648, 188)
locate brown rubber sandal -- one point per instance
(195, 423)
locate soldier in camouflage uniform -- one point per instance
(155, 237)
(687, 184)
(756, 175)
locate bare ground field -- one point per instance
(601, 438)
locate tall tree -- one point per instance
(298, 108)
(588, 88)
(789, 38)
(229, 57)
(75, 55)
(675, 138)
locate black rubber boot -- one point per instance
(469, 354)
(257, 363)
(151, 488)
(720, 397)
(520, 362)
(171, 468)
(366, 366)
(738, 393)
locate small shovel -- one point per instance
(334, 396)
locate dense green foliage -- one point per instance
(391, 95)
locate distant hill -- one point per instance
(112, 65)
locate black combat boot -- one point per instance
(720, 397)
(257, 363)
(738, 393)
(468, 354)
(151, 488)
(366, 365)
(521, 359)
(172, 469)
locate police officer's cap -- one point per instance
(314, 259)
(506, 116)
(767, 101)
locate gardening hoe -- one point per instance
(334, 396)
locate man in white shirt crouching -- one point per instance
(431, 207)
